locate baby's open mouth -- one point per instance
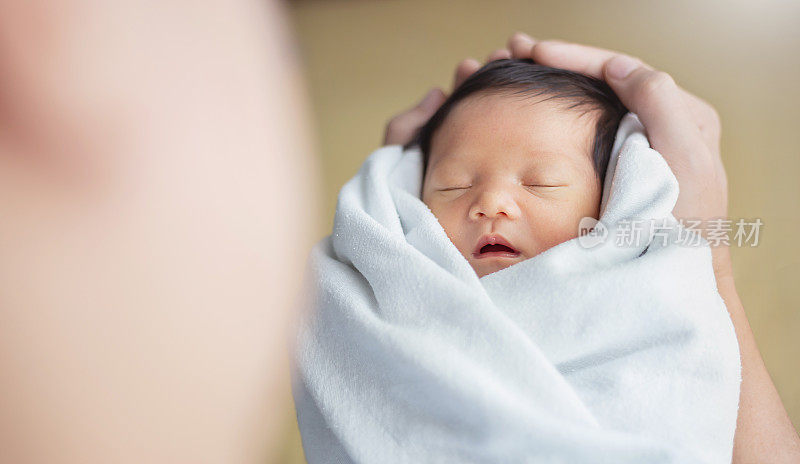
(494, 246)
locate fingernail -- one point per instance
(621, 66)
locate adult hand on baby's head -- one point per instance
(680, 126)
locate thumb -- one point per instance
(655, 97)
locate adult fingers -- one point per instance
(401, 128)
(574, 57)
(659, 103)
(464, 69)
(499, 54)
(657, 100)
(520, 44)
(651, 94)
(592, 60)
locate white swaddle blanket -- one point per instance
(577, 355)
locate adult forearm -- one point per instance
(764, 432)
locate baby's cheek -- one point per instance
(562, 225)
(451, 226)
(585, 203)
(555, 234)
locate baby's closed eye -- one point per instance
(546, 185)
(447, 189)
(547, 190)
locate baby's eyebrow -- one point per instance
(546, 155)
(450, 157)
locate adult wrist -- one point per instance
(721, 262)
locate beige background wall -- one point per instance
(367, 60)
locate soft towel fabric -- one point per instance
(609, 354)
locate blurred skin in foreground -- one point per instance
(157, 193)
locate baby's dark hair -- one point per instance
(524, 77)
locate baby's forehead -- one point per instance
(532, 157)
(522, 136)
(543, 124)
(540, 133)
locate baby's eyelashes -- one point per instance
(545, 185)
(546, 190)
(535, 186)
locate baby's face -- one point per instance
(512, 169)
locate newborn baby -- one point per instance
(515, 158)
(403, 357)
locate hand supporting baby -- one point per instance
(681, 126)
(685, 130)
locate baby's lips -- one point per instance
(493, 239)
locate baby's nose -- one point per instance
(492, 204)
